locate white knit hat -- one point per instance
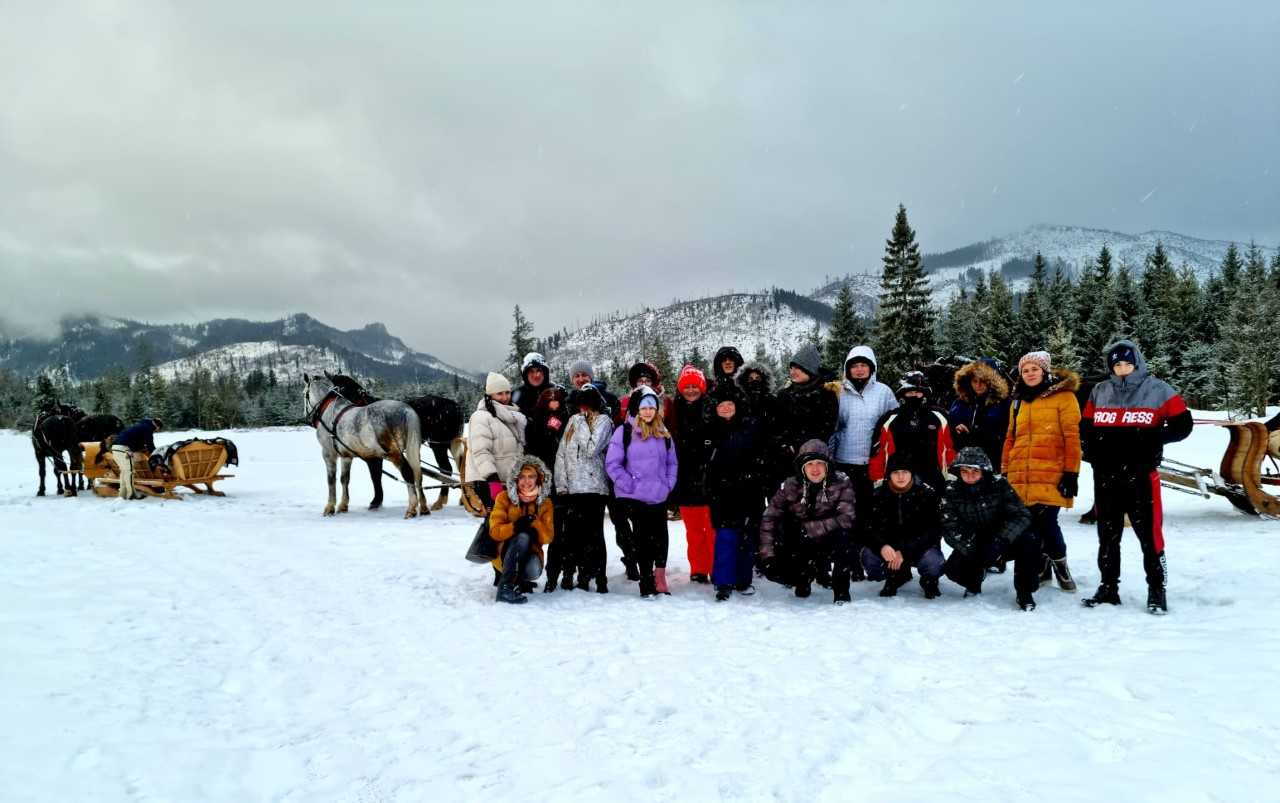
(496, 383)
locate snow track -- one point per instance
(246, 649)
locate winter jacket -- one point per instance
(859, 412)
(717, 373)
(762, 405)
(138, 438)
(985, 417)
(545, 429)
(693, 447)
(1127, 422)
(976, 516)
(819, 510)
(508, 509)
(1043, 439)
(807, 411)
(919, 431)
(525, 397)
(580, 460)
(909, 521)
(495, 440)
(645, 469)
(735, 471)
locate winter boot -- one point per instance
(1090, 516)
(893, 582)
(1107, 594)
(998, 567)
(527, 587)
(566, 582)
(841, 596)
(1025, 601)
(660, 581)
(511, 594)
(1156, 603)
(1060, 571)
(803, 587)
(822, 574)
(633, 571)
(584, 582)
(646, 587)
(553, 580)
(602, 585)
(497, 577)
(1046, 571)
(930, 588)
(723, 593)
(745, 589)
(699, 578)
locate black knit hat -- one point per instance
(1122, 352)
(727, 391)
(898, 461)
(588, 395)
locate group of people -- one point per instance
(821, 482)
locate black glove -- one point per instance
(524, 524)
(966, 544)
(1069, 485)
(995, 551)
(492, 478)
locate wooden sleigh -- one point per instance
(1239, 477)
(191, 466)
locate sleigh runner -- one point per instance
(196, 464)
(1239, 478)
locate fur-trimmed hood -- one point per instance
(1062, 379)
(544, 478)
(760, 369)
(998, 387)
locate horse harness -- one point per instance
(317, 416)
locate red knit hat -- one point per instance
(691, 376)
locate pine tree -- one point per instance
(660, 356)
(1061, 346)
(999, 322)
(1099, 298)
(1231, 267)
(1033, 315)
(846, 331)
(1128, 304)
(1061, 296)
(521, 337)
(1249, 350)
(904, 321)
(101, 398)
(960, 327)
(46, 395)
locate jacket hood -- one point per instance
(1139, 367)
(589, 395)
(644, 369)
(864, 352)
(764, 373)
(544, 478)
(809, 361)
(998, 388)
(812, 449)
(534, 360)
(973, 457)
(726, 353)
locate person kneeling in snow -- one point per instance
(809, 522)
(985, 522)
(904, 531)
(522, 523)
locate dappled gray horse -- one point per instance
(387, 430)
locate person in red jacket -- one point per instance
(918, 431)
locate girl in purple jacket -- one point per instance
(641, 462)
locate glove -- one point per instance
(995, 551)
(524, 524)
(966, 544)
(492, 478)
(1069, 485)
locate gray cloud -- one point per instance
(431, 167)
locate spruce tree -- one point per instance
(1033, 315)
(904, 321)
(845, 332)
(1231, 267)
(101, 398)
(1128, 303)
(960, 328)
(999, 322)
(1061, 296)
(1250, 350)
(1061, 346)
(1103, 323)
(46, 396)
(521, 337)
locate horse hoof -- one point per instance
(375, 506)
(342, 509)
(40, 492)
(411, 514)
(328, 511)
(438, 506)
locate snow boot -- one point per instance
(1107, 594)
(584, 582)
(602, 585)
(930, 588)
(660, 582)
(841, 597)
(553, 580)
(1156, 603)
(646, 587)
(699, 578)
(723, 593)
(1046, 571)
(511, 594)
(1060, 571)
(633, 571)
(566, 582)
(892, 583)
(1025, 601)
(803, 588)
(998, 567)
(527, 587)
(822, 574)
(1090, 516)
(497, 577)
(746, 589)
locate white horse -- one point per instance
(386, 430)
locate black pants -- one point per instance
(622, 532)
(648, 526)
(798, 559)
(970, 570)
(1136, 494)
(863, 488)
(583, 534)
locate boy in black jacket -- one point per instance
(904, 530)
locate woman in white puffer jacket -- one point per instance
(495, 439)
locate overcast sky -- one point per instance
(429, 165)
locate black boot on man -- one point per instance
(1156, 603)
(1107, 594)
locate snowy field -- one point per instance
(246, 649)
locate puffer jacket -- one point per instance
(1043, 440)
(919, 431)
(580, 460)
(495, 440)
(735, 471)
(508, 508)
(859, 412)
(1127, 422)
(986, 417)
(817, 509)
(974, 516)
(909, 521)
(645, 470)
(718, 375)
(807, 411)
(692, 450)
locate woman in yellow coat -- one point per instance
(1042, 454)
(522, 523)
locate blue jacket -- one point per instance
(138, 438)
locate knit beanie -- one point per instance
(582, 367)
(690, 376)
(1040, 358)
(496, 383)
(1122, 352)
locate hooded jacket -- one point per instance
(508, 509)
(818, 510)
(580, 459)
(985, 417)
(633, 376)
(859, 411)
(1127, 421)
(1043, 440)
(920, 432)
(735, 470)
(806, 411)
(717, 372)
(976, 516)
(495, 440)
(525, 397)
(693, 446)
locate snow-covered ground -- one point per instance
(245, 649)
